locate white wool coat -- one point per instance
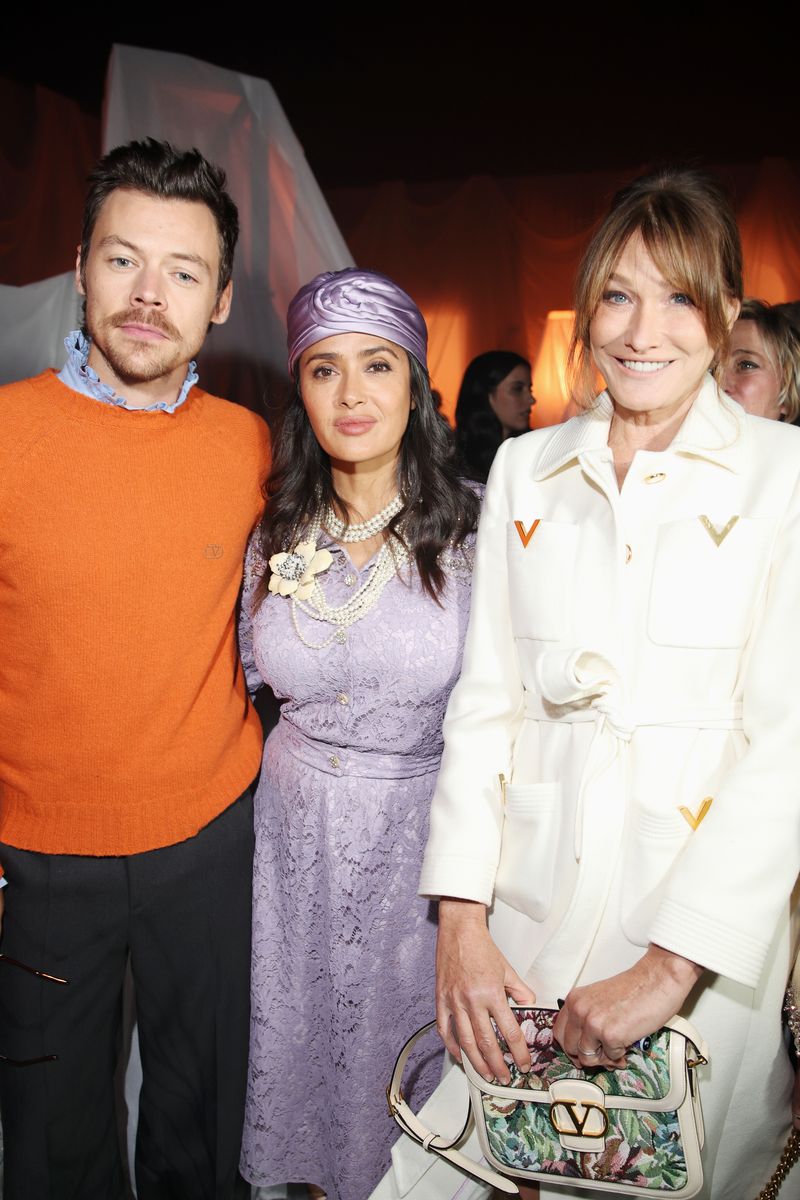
(632, 669)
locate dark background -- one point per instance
(397, 94)
(466, 159)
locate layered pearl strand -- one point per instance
(366, 529)
(389, 559)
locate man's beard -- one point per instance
(140, 362)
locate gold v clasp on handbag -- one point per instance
(526, 535)
(575, 1124)
(717, 535)
(689, 816)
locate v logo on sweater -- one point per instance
(717, 535)
(525, 536)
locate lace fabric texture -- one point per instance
(343, 948)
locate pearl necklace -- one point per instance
(362, 602)
(357, 607)
(341, 532)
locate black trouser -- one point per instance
(182, 913)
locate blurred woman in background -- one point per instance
(763, 367)
(494, 403)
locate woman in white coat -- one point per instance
(632, 667)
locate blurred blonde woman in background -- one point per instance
(763, 368)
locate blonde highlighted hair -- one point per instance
(782, 345)
(687, 225)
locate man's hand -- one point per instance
(473, 983)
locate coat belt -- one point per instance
(615, 725)
(623, 721)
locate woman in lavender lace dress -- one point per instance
(356, 603)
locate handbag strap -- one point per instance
(410, 1124)
(687, 1030)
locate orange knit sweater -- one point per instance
(124, 720)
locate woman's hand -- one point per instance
(473, 983)
(598, 1023)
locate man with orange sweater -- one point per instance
(127, 742)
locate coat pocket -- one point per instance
(655, 843)
(707, 579)
(541, 577)
(532, 819)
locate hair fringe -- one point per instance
(688, 227)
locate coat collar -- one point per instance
(715, 429)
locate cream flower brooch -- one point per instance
(293, 571)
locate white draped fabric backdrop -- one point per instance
(287, 231)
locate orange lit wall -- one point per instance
(503, 254)
(486, 259)
(550, 372)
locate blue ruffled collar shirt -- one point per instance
(78, 375)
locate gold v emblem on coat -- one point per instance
(717, 535)
(689, 816)
(526, 535)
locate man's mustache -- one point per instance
(133, 316)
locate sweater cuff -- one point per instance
(462, 878)
(710, 943)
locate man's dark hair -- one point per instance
(157, 169)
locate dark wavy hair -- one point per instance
(158, 169)
(440, 508)
(478, 431)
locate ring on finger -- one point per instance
(590, 1053)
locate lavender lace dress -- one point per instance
(343, 948)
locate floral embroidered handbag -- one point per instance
(636, 1131)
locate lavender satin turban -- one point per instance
(354, 301)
